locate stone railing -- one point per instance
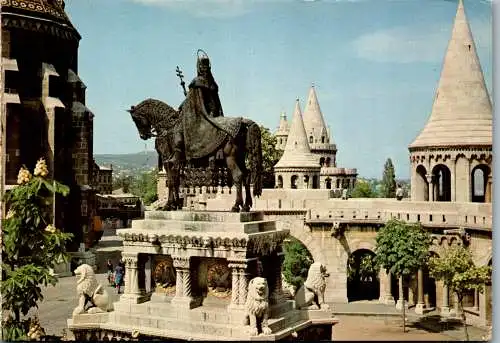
(445, 214)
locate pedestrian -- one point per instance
(119, 272)
(109, 265)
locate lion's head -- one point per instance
(86, 280)
(316, 277)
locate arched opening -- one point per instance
(442, 183)
(327, 162)
(280, 181)
(293, 182)
(421, 184)
(328, 183)
(310, 139)
(338, 183)
(322, 139)
(479, 182)
(322, 161)
(315, 182)
(362, 276)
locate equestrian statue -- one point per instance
(199, 131)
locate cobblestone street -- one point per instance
(60, 301)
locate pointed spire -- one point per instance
(462, 111)
(297, 152)
(283, 127)
(313, 118)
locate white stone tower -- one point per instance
(297, 168)
(451, 158)
(282, 132)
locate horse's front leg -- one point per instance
(171, 191)
(248, 194)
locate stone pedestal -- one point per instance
(222, 248)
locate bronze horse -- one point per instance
(154, 118)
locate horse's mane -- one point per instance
(158, 112)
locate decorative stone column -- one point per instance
(419, 308)
(385, 288)
(445, 307)
(239, 284)
(133, 291)
(430, 181)
(277, 291)
(183, 292)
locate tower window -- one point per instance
(322, 139)
(310, 139)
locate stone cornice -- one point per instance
(42, 26)
(297, 169)
(450, 148)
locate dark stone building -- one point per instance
(44, 106)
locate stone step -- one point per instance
(206, 216)
(203, 226)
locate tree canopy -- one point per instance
(363, 189)
(270, 156)
(402, 248)
(457, 270)
(296, 263)
(388, 180)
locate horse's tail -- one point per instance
(254, 148)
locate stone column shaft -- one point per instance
(401, 300)
(420, 289)
(183, 292)
(445, 308)
(431, 187)
(239, 284)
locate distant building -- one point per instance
(103, 179)
(309, 154)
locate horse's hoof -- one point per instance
(235, 208)
(245, 208)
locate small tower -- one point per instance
(451, 158)
(318, 134)
(282, 132)
(297, 168)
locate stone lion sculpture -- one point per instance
(257, 307)
(312, 292)
(90, 291)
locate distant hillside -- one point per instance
(128, 164)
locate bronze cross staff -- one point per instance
(183, 84)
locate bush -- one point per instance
(297, 262)
(31, 247)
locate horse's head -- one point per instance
(141, 122)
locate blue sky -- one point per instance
(375, 64)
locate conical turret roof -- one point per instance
(297, 152)
(462, 113)
(313, 118)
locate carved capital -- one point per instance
(181, 262)
(131, 260)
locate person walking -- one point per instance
(119, 272)
(110, 268)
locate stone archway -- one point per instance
(362, 276)
(479, 182)
(442, 182)
(430, 294)
(280, 181)
(328, 183)
(293, 181)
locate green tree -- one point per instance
(457, 271)
(388, 180)
(270, 156)
(31, 247)
(145, 186)
(123, 182)
(296, 263)
(402, 248)
(363, 189)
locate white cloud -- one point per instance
(415, 43)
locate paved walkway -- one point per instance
(384, 322)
